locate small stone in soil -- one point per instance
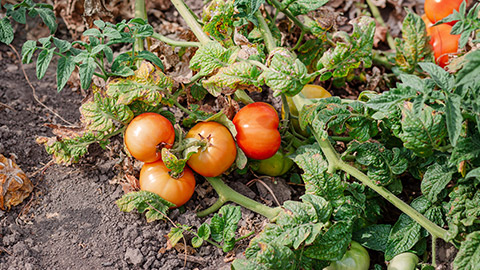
(134, 256)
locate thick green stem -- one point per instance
(241, 95)
(175, 43)
(191, 21)
(267, 34)
(378, 17)
(287, 13)
(335, 163)
(434, 251)
(225, 194)
(140, 13)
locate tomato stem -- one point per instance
(175, 43)
(191, 21)
(266, 33)
(140, 12)
(226, 193)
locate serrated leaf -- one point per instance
(147, 55)
(271, 256)
(299, 7)
(435, 180)
(62, 45)
(19, 15)
(373, 237)
(221, 118)
(467, 148)
(65, 68)
(43, 61)
(218, 20)
(92, 32)
(103, 114)
(198, 92)
(468, 77)
(441, 77)
(210, 57)
(147, 85)
(48, 17)
(6, 31)
(332, 244)
(388, 99)
(285, 74)
(383, 164)
(454, 118)
(28, 48)
(225, 222)
(422, 132)
(154, 206)
(413, 46)
(86, 70)
(352, 50)
(468, 257)
(240, 75)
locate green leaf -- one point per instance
(441, 77)
(271, 256)
(197, 91)
(422, 132)
(48, 17)
(209, 58)
(6, 31)
(62, 45)
(43, 61)
(352, 50)
(374, 237)
(218, 20)
(70, 149)
(468, 257)
(299, 7)
(387, 100)
(154, 206)
(204, 231)
(147, 85)
(435, 180)
(240, 75)
(197, 242)
(103, 114)
(86, 71)
(413, 46)
(383, 164)
(332, 244)
(28, 48)
(147, 55)
(175, 234)
(19, 15)
(454, 118)
(92, 32)
(285, 74)
(65, 67)
(225, 222)
(468, 77)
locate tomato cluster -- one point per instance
(442, 41)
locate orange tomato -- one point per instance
(155, 177)
(443, 43)
(439, 9)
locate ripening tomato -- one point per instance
(146, 134)
(219, 153)
(428, 24)
(439, 9)
(257, 130)
(155, 177)
(309, 91)
(443, 43)
(356, 258)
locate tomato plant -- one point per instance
(155, 177)
(443, 43)
(356, 258)
(219, 152)
(439, 9)
(275, 165)
(257, 127)
(146, 134)
(403, 261)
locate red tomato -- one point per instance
(443, 43)
(439, 9)
(155, 177)
(146, 134)
(257, 130)
(219, 153)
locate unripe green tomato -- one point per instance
(276, 165)
(356, 258)
(403, 261)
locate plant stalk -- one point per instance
(225, 194)
(335, 163)
(141, 13)
(175, 43)
(191, 21)
(267, 34)
(287, 13)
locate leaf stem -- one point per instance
(434, 251)
(191, 21)
(142, 14)
(175, 43)
(225, 194)
(267, 34)
(287, 13)
(378, 17)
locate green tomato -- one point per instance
(276, 165)
(403, 261)
(356, 258)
